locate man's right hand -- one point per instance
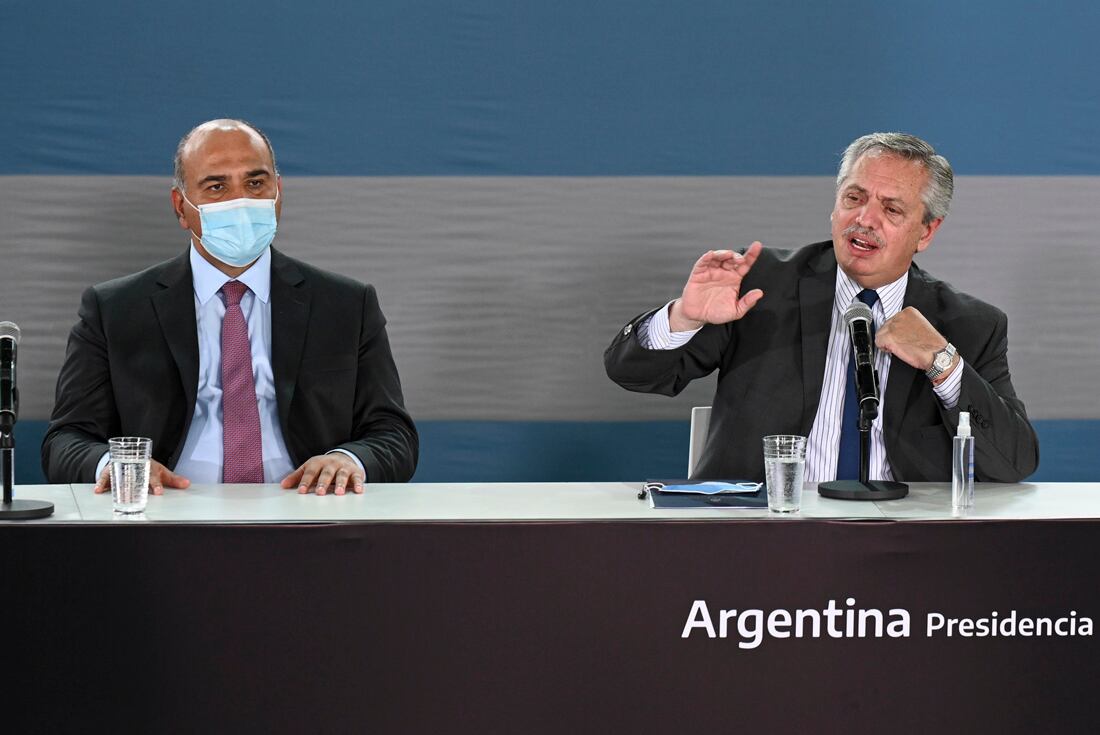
(160, 477)
(712, 294)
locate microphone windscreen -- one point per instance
(9, 329)
(856, 312)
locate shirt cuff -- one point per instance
(357, 462)
(655, 333)
(103, 461)
(951, 387)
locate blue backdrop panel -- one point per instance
(575, 87)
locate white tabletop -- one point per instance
(447, 502)
(62, 497)
(997, 501)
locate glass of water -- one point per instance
(784, 466)
(130, 472)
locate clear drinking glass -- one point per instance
(130, 472)
(784, 467)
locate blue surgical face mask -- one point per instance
(238, 231)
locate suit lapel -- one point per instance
(816, 292)
(175, 310)
(290, 304)
(904, 377)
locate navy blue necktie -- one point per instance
(847, 464)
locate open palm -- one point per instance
(712, 293)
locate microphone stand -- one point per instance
(864, 488)
(11, 509)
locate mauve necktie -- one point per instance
(847, 464)
(243, 457)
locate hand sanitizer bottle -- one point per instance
(962, 465)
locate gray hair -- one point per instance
(177, 175)
(941, 180)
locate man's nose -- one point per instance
(867, 217)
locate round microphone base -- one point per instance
(24, 510)
(856, 490)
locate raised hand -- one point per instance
(712, 294)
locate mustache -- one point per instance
(864, 233)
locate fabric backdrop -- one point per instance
(519, 179)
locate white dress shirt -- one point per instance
(823, 444)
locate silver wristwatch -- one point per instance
(941, 361)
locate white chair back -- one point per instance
(700, 426)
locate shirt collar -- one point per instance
(890, 297)
(208, 280)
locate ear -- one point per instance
(177, 207)
(929, 233)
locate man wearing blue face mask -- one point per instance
(242, 364)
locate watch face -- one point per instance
(943, 360)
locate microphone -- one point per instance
(9, 394)
(860, 328)
(12, 509)
(859, 320)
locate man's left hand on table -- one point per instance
(318, 473)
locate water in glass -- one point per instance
(130, 484)
(784, 480)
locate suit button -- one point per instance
(628, 329)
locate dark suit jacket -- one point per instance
(132, 363)
(771, 365)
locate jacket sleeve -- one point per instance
(384, 437)
(84, 412)
(1006, 448)
(666, 372)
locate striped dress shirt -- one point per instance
(823, 444)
